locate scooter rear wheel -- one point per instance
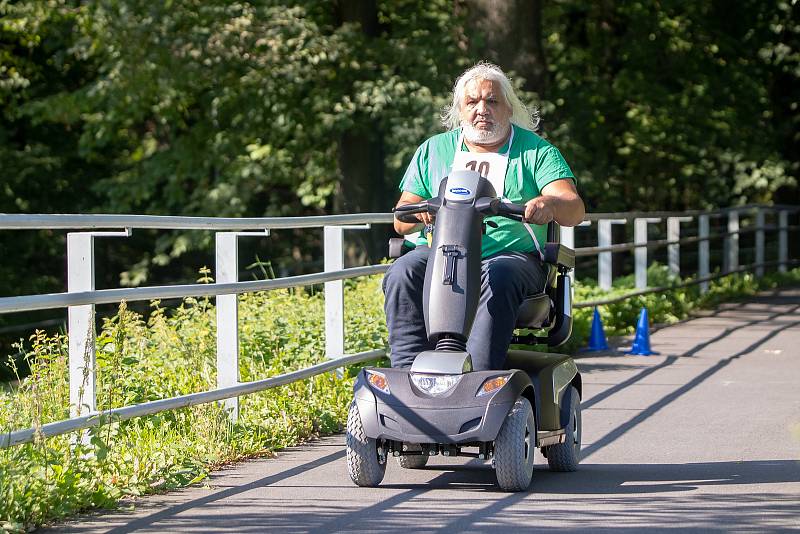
(363, 464)
(412, 462)
(565, 456)
(514, 446)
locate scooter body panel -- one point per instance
(552, 375)
(409, 415)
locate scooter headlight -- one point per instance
(435, 385)
(378, 381)
(490, 385)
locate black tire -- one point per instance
(564, 457)
(514, 447)
(412, 462)
(363, 465)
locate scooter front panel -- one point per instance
(408, 415)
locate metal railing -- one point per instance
(81, 296)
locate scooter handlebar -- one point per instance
(407, 212)
(517, 212)
(490, 206)
(511, 211)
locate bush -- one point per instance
(173, 353)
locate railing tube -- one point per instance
(674, 251)
(640, 255)
(80, 277)
(604, 262)
(732, 242)
(334, 291)
(568, 240)
(703, 249)
(783, 240)
(81, 328)
(759, 242)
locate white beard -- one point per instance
(492, 136)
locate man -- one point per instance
(490, 130)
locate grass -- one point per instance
(173, 353)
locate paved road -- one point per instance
(705, 436)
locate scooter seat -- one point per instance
(534, 312)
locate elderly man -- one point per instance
(489, 131)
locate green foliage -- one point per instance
(239, 108)
(672, 105)
(173, 353)
(42, 168)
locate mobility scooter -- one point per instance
(440, 405)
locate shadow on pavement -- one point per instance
(616, 479)
(564, 502)
(464, 497)
(173, 510)
(615, 434)
(588, 367)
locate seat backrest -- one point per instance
(552, 308)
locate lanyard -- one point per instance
(493, 167)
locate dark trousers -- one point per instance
(506, 279)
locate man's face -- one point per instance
(484, 113)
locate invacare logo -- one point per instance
(463, 191)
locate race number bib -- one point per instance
(490, 165)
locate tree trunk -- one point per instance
(512, 38)
(363, 188)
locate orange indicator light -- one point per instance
(492, 384)
(378, 381)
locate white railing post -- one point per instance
(81, 327)
(732, 242)
(568, 240)
(783, 240)
(759, 242)
(640, 254)
(334, 291)
(674, 251)
(703, 248)
(604, 264)
(227, 270)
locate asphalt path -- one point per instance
(703, 437)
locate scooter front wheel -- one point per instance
(363, 465)
(514, 446)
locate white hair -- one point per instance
(521, 115)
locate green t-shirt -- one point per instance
(533, 163)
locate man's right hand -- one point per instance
(423, 218)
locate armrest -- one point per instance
(398, 246)
(559, 255)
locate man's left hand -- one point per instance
(540, 210)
